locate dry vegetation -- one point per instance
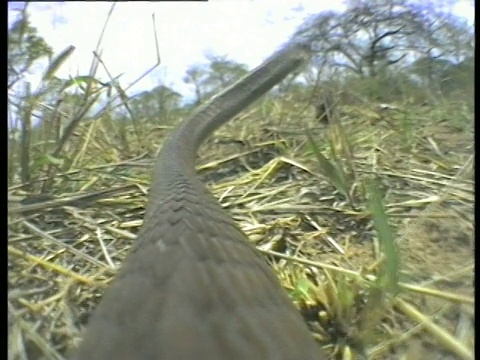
(315, 219)
(61, 257)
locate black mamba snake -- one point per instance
(193, 287)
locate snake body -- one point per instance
(193, 287)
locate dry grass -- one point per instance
(64, 251)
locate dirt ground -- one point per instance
(272, 186)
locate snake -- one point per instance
(192, 286)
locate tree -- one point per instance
(24, 48)
(155, 104)
(372, 35)
(208, 79)
(375, 41)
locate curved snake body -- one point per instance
(193, 287)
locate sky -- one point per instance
(246, 31)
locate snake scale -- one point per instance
(192, 286)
